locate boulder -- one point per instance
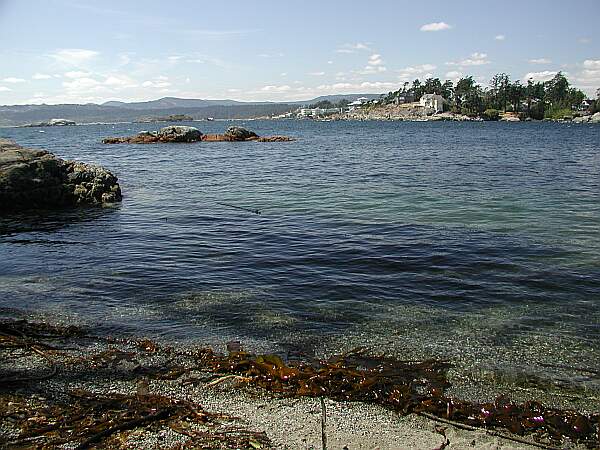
(32, 179)
(581, 119)
(240, 134)
(179, 133)
(595, 118)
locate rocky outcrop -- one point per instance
(191, 134)
(52, 123)
(173, 133)
(240, 134)
(36, 179)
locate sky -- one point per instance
(75, 51)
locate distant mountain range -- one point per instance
(116, 111)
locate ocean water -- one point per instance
(479, 242)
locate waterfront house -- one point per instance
(357, 103)
(432, 101)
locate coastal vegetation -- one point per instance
(552, 99)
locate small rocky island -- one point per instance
(170, 118)
(36, 179)
(177, 133)
(51, 123)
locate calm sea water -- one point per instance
(473, 240)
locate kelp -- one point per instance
(405, 386)
(90, 419)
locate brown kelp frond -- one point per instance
(107, 421)
(407, 387)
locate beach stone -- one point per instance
(240, 133)
(36, 179)
(179, 133)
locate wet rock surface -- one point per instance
(36, 179)
(191, 134)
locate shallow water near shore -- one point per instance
(477, 242)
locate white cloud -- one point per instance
(158, 84)
(4, 89)
(329, 62)
(375, 60)
(454, 75)
(476, 59)
(351, 48)
(418, 71)
(13, 80)
(119, 81)
(540, 61)
(283, 74)
(592, 64)
(500, 37)
(316, 74)
(77, 74)
(584, 40)
(435, 26)
(41, 76)
(271, 88)
(540, 76)
(73, 56)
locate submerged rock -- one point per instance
(31, 179)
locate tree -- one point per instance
(448, 90)
(432, 86)
(417, 89)
(468, 96)
(557, 90)
(516, 92)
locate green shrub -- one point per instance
(491, 114)
(557, 113)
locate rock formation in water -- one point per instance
(191, 134)
(52, 123)
(36, 179)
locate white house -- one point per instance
(358, 102)
(432, 101)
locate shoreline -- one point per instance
(69, 361)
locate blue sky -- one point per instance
(74, 51)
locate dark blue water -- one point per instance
(470, 235)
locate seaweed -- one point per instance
(408, 387)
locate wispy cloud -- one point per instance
(544, 75)
(316, 74)
(73, 56)
(41, 76)
(475, 59)
(13, 80)
(212, 34)
(500, 37)
(540, 61)
(353, 48)
(436, 26)
(4, 89)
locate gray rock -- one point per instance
(595, 118)
(582, 119)
(32, 179)
(240, 133)
(179, 133)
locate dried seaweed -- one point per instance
(90, 419)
